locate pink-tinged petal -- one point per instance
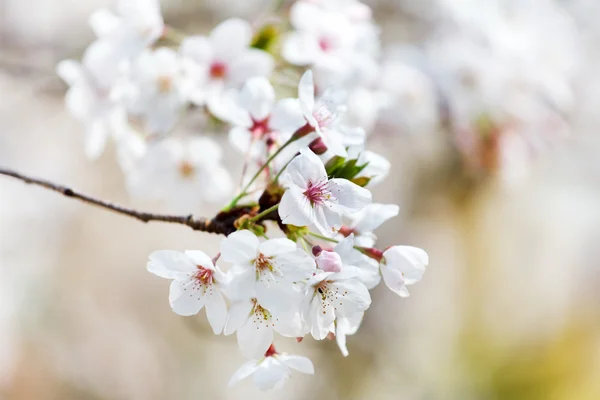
(409, 261)
(216, 310)
(298, 363)
(373, 216)
(329, 261)
(200, 258)
(238, 315)
(294, 208)
(306, 95)
(275, 247)
(243, 372)
(350, 197)
(185, 298)
(240, 247)
(287, 116)
(254, 337)
(300, 48)
(251, 63)
(271, 374)
(230, 38)
(170, 264)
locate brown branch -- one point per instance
(221, 224)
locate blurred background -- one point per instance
(508, 309)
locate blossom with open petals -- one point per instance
(197, 283)
(403, 266)
(313, 199)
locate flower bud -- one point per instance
(318, 146)
(329, 261)
(316, 250)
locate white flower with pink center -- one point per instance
(260, 123)
(266, 271)
(272, 370)
(197, 283)
(329, 295)
(311, 199)
(323, 114)
(222, 60)
(363, 223)
(402, 266)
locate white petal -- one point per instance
(197, 48)
(241, 285)
(243, 372)
(238, 315)
(251, 63)
(170, 264)
(200, 258)
(240, 247)
(185, 299)
(276, 247)
(306, 95)
(286, 116)
(300, 48)
(349, 195)
(298, 363)
(304, 169)
(271, 374)
(257, 97)
(393, 279)
(322, 319)
(305, 16)
(296, 265)
(96, 135)
(374, 215)
(230, 38)
(104, 22)
(216, 310)
(70, 71)
(295, 209)
(409, 261)
(356, 296)
(255, 337)
(240, 139)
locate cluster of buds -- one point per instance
(311, 172)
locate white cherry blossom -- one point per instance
(197, 283)
(272, 370)
(136, 26)
(332, 294)
(183, 173)
(403, 266)
(265, 270)
(223, 60)
(313, 199)
(156, 95)
(323, 114)
(344, 326)
(91, 98)
(260, 123)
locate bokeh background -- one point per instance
(508, 309)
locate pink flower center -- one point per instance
(271, 351)
(317, 193)
(324, 115)
(204, 276)
(186, 170)
(325, 44)
(218, 70)
(260, 128)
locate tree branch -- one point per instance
(221, 224)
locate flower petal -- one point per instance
(275, 247)
(306, 95)
(216, 310)
(185, 298)
(295, 209)
(287, 116)
(200, 258)
(257, 97)
(247, 369)
(230, 38)
(240, 247)
(298, 363)
(170, 264)
(373, 216)
(255, 337)
(238, 315)
(271, 374)
(350, 196)
(409, 261)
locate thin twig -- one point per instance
(198, 224)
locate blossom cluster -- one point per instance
(296, 105)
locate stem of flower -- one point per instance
(264, 213)
(325, 238)
(303, 131)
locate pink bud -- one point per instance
(316, 250)
(329, 261)
(318, 146)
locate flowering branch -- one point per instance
(219, 225)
